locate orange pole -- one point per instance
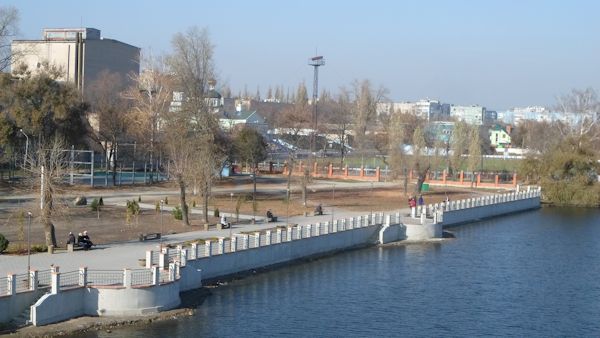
(346, 170)
(462, 177)
(315, 169)
(410, 175)
(285, 168)
(497, 180)
(330, 169)
(362, 171)
(444, 176)
(378, 174)
(514, 179)
(478, 178)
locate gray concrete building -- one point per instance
(80, 54)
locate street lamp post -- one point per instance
(162, 202)
(26, 146)
(29, 242)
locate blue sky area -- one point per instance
(495, 53)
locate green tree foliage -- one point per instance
(45, 108)
(3, 243)
(567, 174)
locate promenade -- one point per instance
(121, 255)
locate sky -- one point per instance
(498, 54)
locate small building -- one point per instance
(240, 118)
(500, 137)
(79, 53)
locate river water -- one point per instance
(530, 274)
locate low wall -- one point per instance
(264, 256)
(133, 301)
(56, 307)
(421, 232)
(460, 216)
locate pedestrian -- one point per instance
(421, 201)
(412, 202)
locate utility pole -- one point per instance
(315, 62)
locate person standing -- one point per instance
(412, 202)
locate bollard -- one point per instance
(155, 275)
(148, 259)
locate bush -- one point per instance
(216, 213)
(95, 205)
(133, 209)
(3, 243)
(166, 200)
(39, 248)
(101, 201)
(193, 203)
(139, 198)
(177, 213)
(157, 207)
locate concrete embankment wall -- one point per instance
(12, 306)
(477, 212)
(264, 256)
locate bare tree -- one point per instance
(48, 164)
(151, 97)
(583, 106)
(365, 110)
(109, 108)
(341, 119)
(192, 66)
(475, 155)
(9, 21)
(420, 158)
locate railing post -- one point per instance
(233, 244)
(279, 235)
(155, 275)
(388, 220)
(55, 282)
(126, 278)
(299, 231)
(83, 276)
(148, 259)
(207, 248)
(257, 239)
(334, 226)
(171, 272)
(318, 229)
(184, 257)
(177, 270)
(308, 230)
(194, 251)
(288, 234)
(33, 280)
(12, 284)
(246, 241)
(221, 246)
(268, 237)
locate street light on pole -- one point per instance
(29, 242)
(26, 146)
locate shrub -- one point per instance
(95, 205)
(216, 213)
(101, 201)
(133, 209)
(177, 213)
(139, 198)
(193, 203)
(157, 207)
(3, 243)
(39, 248)
(166, 200)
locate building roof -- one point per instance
(238, 115)
(213, 94)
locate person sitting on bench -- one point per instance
(84, 241)
(271, 217)
(319, 210)
(224, 223)
(71, 239)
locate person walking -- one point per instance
(412, 203)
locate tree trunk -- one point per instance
(50, 233)
(205, 196)
(421, 175)
(184, 208)
(304, 186)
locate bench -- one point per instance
(149, 237)
(272, 219)
(73, 247)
